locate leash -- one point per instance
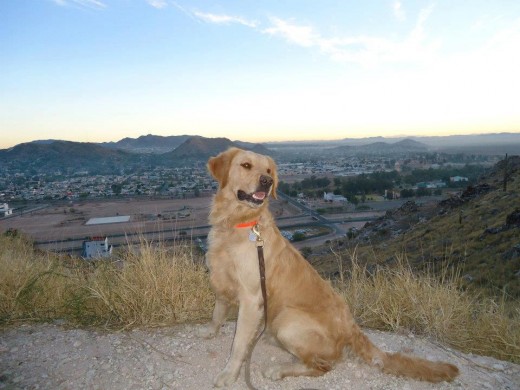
(256, 236)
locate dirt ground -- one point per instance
(59, 222)
(63, 227)
(53, 356)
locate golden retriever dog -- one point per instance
(305, 315)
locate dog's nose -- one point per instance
(266, 181)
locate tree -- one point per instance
(116, 188)
(352, 199)
(423, 192)
(407, 193)
(298, 236)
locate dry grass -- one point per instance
(152, 286)
(156, 286)
(400, 299)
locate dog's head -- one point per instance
(248, 176)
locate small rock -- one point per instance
(499, 367)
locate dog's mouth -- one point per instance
(257, 197)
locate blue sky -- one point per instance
(101, 70)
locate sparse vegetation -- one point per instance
(151, 286)
(399, 299)
(154, 286)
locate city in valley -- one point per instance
(325, 191)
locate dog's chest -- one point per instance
(233, 258)
(238, 245)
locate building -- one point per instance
(431, 184)
(5, 210)
(96, 247)
(458, 179)
(392, 194)
(330, 197)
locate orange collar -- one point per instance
(246, 224)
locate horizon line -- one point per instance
(278, 141)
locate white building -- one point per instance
(458, 178)
(330, 197)
(96, 248)
(5, 210)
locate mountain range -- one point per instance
(127, 154)
(380, 147)
(148, 143)
(152, 150)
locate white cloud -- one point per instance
(183, 10)
(300, 35)
(364, 50)
(157, 3)
(224, 19)
(82, 3)
(399, 12)
(417, 33)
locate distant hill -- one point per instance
(452, 141)
(404, 146)
(44, 141)
(65, 156)
(257, 148)
(130, 154)
(148, 143)
(201, 148)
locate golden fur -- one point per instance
(305, 315)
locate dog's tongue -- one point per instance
(259, 195)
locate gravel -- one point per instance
(54, 356)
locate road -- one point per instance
(338, 223)
(313, 214)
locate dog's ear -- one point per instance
(219, 165)
(274, 175)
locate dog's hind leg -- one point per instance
(316, 352)
(220, 312)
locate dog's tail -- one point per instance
(396, 363)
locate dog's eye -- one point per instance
(246, 165)
(269, 171)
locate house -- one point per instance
(5, 210)
(330, 197)
(431, 184)
(96, 247)
(455, 179)
(392, 194)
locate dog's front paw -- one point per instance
(274, 373)
(225, 378)
(207, 331)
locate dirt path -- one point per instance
(47, 356)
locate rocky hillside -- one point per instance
(201, 148)
(476, 231)
(65, 156)
(148, 143)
